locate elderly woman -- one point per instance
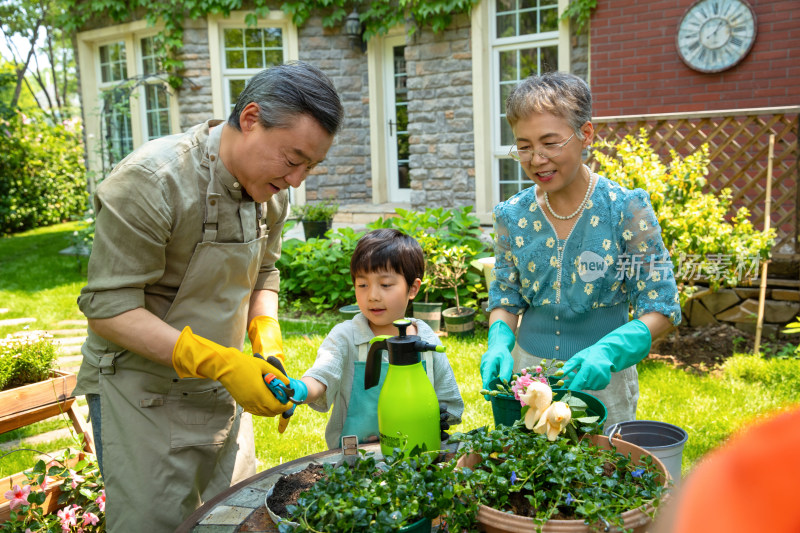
(575, 254)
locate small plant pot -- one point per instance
(349, 312)
(430, 313)
(459, 323)
(422, 525)
(638, 520)
(507, 409)
(315, 229)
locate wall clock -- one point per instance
(715, 35)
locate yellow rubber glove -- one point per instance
(265, 336)
(242, 375)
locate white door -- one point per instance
(396, 113)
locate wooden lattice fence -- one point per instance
(738, 142)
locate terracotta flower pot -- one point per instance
(496, 521)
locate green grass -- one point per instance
(36, 281)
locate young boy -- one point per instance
(387, 269)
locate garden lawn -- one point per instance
(36, 281)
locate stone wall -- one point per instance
(440, 117)
(194, 97)
(345, 173)
(739, 306)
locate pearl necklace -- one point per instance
(580, 207)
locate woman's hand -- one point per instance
(497, 362)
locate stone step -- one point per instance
(16, 321)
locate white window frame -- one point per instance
(486, 48)
(219, 87)
(88, 45)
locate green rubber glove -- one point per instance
(196, 357)
(623, 347)
(497, 361)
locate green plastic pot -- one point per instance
(430, 313)
(459, 324)
(421, 526)
(349, 312)
(507, 410)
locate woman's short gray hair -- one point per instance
(284, 91)
(559, 93)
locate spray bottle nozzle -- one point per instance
(402, 325)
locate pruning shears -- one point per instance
(284, 393)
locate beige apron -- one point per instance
(620, 396)
(170, 444)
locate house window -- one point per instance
(155, 92)
(524, 42)
(245, 52)
(133, 94)
(115, 110)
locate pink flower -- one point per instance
(519, 387)
(68, 516)
(47, 480)
(101, 501)
(18, 496)
(90, 519)
(538, 370)
(76, 478)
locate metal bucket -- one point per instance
(663, 440)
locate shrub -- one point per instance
(42, 175)
(703, 241)
(319, 269)
(439, 229)
(321, 211)
(26, 359)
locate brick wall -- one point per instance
(440, 115)
(635, 67)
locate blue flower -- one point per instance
(513, 477)
(569, 499)
(638, 472)
(430, 496)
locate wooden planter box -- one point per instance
(31, 403)
(22, 406)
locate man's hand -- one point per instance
(265, 336)
(196, 357)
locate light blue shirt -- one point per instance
(573, 291)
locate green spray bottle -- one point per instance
(408, 411)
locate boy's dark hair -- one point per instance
(388, 249)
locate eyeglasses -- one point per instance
(548, 151)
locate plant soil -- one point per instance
(702, 349)
(288, 488)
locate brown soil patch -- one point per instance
(288, 488)
(704, 348)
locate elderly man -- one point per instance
(187, 234)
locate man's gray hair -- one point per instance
(559, 93)
(284, 91)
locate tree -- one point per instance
(32, 38)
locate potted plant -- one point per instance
(29, 379)
(317, 218)
(65, 494)
(398, 493)
(508, 404)
(429, 312)
(544, 472)
(448, 269)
